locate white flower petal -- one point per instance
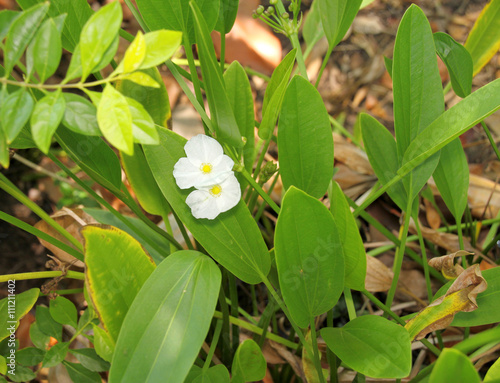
(230, 195)
(203, 149)
(202, 204)
(185, 173)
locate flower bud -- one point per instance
(267, 171)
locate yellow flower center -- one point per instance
(206, 168)
(216, 190)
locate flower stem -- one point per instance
(259, 190)
(43, 274)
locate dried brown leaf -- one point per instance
(446, 264)
(378, 276)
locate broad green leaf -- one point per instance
(313, 29)
(46, 324)
(90, 360)
(93, 156)
(107, 218)
(135, 53)
(352, 244)
(215, 374)
(47, 115)
(452, 178)
(80, 115)
(239, 94)
(457, 60)
(305, 141)
(38, 338)
(228, 10)
(168, 321)
(20, 33)
(221, 111)
(309, 257)
(80, 374)
(98, 34)
(143, 126)
(63, 311)
(55, 355)
(29, 356)
(15, 113)
(23, 303)
(22, 374)
(484, 38)
(175, 14)
(275, 92)
(233, 238)
(453, 366)
(493, 374)
(418, 92)
(47, 50)
(383, 156)
(249, 364)
(336, 17)
(7, 17)
(115, 119)
(103, 343)
(451, 124)
(116, 268)
(373, 346)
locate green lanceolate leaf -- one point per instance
(21, 32)
(46, 324)
(484, 38)
(103, 343)
(275, 92)
(337, 17)
(23, 304)
(249, 365)
(15, 113)
(305, 140)
(453, 366)
(98, 34)
(457, 60)
(78, 373)
(313, 29)
(233, 238)
(373, 346)
(354, 251)
(175, 14)
(63, 311)
(493, 374)
(418, 93)
(115, 119)
(7, 17)
(47, 50)
(80, 115)
(143, 126)
(116, 269)
(90, 360)
(55, 355)
(47, 115)
(222, 114)
(309, 257)
(452, 178)
(168, 321)
(239, 94)
(227, 15)
(135, 53)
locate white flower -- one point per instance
(205, 165)
(209, 202)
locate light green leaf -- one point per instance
(233, 238)
(484, 38)
(55, 355)
(352, 244)
(63, 311)
(215, 374)
(98, 34)
(222, 114)
(313, 29)
(228, 9)
(274, 95)
(47, 50)
(80, 115)
(47, 115)
(309, 257)
(453, 366)
(457, 60)
(249, 365)
(493, 374)
(115, 119)
(168, 321)
(7, 17)
(103, 343)
(24, 302)
(89, 359)
(336, 17)
(305, 141)
(15, 113)
(135, 53)
(141, 78)
(116, 268)
(143, 126)
(80, 374)
(373, 346)
(21, 31)
(160, 46)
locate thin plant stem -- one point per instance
(183, 231)
(233, 295)
(249, 71)
(42, 275)
(316, 355)
(64, 292)
(213, 346)
(351, 310)
(330, 356)
(377, 194)
(490, 138)
(222, 51)
(192, 68)
(344, 131)
(259, 190)
(323, 65)
(224, 308)
(424, 259)
(263, 205)
(294, 38)
(137, 15)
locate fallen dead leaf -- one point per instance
(446, 264)
(433, 218)
(378, 276)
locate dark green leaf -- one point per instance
(249, 364)
(168, 321)
(457, 60)
(305, 141)
(80, 374)
(30, 356)
(47, 324)
(38, 338)
(63, 311)
(55, 355)
(15, 113)
(388, 65)
(308, 255)
(47, 50)
(215, 374)
(90, 360)
(453, 366)
(373, 346)
(336, 17)
(23, 374)
(80, 115)
(47, 115)
(227, 15)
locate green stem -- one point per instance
(263, 205)
(344, 131)
(40, 234)
(183, 231)
(233, 295)
(351, 310)
(377, 194)
(294, 38)
(330, 356)
(222, 51)
(226, 344)
(64, 292)
(43, 274)
(490, 138)
(261, 191)
(192, 68)
(323, 65)
(137, 15)
(10, 188)
(316, 355)
(424, 260)
(213, 346)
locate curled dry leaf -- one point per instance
(446, 264)
(72, 220)
(378, 276)
(461, 296)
